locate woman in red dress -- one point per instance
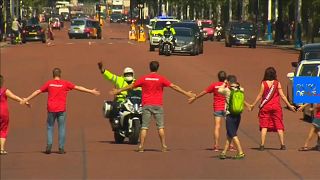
(270, 113)
(4, 114)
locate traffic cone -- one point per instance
(142, 35)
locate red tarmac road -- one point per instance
(91, 153)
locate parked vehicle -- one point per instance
(198, 32)
(186, 41)
(304, 68)
(207, 26)
(84, 28)
(240, 33)
(128, 122)
(33, 32)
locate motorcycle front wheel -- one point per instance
(118, 139)
(134, 136)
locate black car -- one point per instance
(198, 32)
(241, 33)
(116, 18)
(186, 41)
(33, 32)
(310, 52)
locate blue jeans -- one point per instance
(61, 118)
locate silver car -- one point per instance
(80, 28)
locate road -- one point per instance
(91, 153)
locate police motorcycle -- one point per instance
(166, 45)
(127, 122)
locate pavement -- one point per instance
(91, 151)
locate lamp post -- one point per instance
(141, 6)
(298, 30)
(269, 27)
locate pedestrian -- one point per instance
(4, 113)
(57, 90)
(218, 107)
(152, 97)
(50, 37)
(315, 128)
(292, 30)
(270, 112)
(234, 95)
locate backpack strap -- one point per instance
(270, 93)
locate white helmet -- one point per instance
(128, 74)
(168, 24)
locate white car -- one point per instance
(304, 68)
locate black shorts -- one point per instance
(232, 124)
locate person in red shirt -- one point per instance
(57, 90)
(4, 113)
(270, 112)
(152, 100)
(219, 102)
(315, 129)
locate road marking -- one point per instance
(70, 43)
(129, 42)
(110, 43)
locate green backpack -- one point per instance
(236, 102)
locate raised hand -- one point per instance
(100, 66)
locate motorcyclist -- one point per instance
(119, 82)
(15, 27)
(219, 27)
(168, 30)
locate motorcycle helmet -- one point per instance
(128, 74)
(168, 24)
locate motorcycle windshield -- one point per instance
(134, 96)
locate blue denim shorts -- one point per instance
(219, 113)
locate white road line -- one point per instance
(70, 43)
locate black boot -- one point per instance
(48, 149)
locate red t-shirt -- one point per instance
(152, 88)
(218, 99)
(57, 94)
(3, 103)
